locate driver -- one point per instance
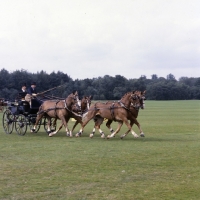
(31, 92)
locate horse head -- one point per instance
(138, 99)
(72, 100)
(127, 99)
(85, 103)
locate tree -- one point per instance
(170, 77)
(154, 77)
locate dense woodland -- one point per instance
(101, 88)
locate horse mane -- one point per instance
(128, 93)
(70, 95)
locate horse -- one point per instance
(85, 105)
(61, 109)
(117, 111)
(132, 115)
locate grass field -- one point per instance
(163, 165)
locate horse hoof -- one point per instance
(142, 135)
(91, 135)
(121, 137)
(32, 130)
(68, 135)
(50, 135)
(103, 136)
(48, 132)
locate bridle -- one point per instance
(141, 103)
(88, 102)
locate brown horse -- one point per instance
(85, 105)
(117, 111)
(61, 109)
(132, 116)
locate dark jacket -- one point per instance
(30, 91)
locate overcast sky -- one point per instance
(92, 38)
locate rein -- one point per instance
(55, 108)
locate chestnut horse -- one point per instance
(117, 111)
(85, 105)
(132, 115)
(61, 109)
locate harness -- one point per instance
(55, 108)
(122, 105)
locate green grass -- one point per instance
(163, 165)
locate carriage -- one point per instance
(20, 115)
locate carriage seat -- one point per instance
(35, 104)
(25, 105)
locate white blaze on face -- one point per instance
(88, 105)
(79, 103)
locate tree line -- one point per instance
(101, 88)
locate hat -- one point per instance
(33, 83)
(23, 84)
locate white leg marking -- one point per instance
(134, 134)
(70, 134)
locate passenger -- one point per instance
(31, 92)
(23, 92)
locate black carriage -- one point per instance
(20, 115)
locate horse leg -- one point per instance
(56, 131)
(115, 132)
(129, 129)
(48, 125)
(54, 124)
(139, 127)
(37, 121)
(86, 118)
(108, 123)
(75, 124)
(65, 123)
(131, 124)
(68, 133)
(98, 122)
(82, 127)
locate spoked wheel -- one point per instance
(21, 125)
(52, 124)
(32, 123)
(8, 121)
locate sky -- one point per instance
(94, 38)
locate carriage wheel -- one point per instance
(21, 125)
(8, 121)
(52, 124)
(32, 123)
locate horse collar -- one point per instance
(123, 105)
